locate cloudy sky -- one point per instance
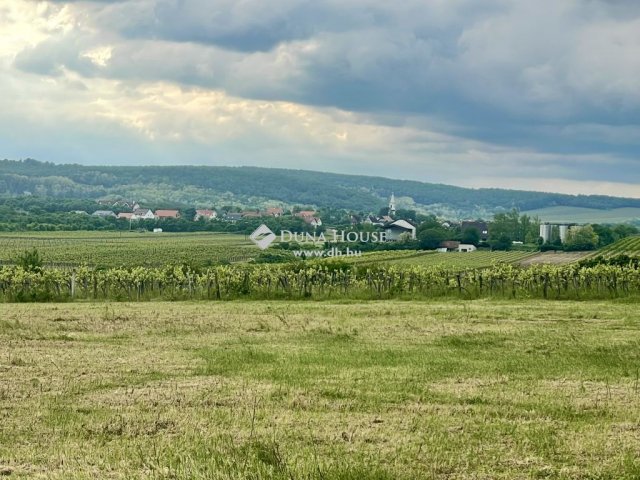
(536, 95)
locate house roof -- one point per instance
(251, 214)
(125, 215)
(103, 213)
(206, 213)
(274, 211)
(306, 213)
(403, 224)
(167, 213)
(141, 211)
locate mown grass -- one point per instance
(379, 390)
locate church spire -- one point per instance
(392, 205)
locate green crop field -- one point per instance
(128, 248)
(627, 246)
(320, 390)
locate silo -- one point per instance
(564, 230)
(545, 232)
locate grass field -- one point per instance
(128, 248)
(320, 390)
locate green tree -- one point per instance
(471, 236)
(581, 238)
(430, 238)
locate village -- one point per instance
(392, 226)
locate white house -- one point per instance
(395, 230)
(313, 221)
(463, 247)
(206, 214)
(143, 214)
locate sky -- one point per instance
(534, 95)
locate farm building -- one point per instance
(449, 246)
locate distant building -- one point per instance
(481, 227)
(449, 246)
(233, 217)
(306, 213)
(274, 212)
(313, 221)
(125, 215)
(392, 205)
(162, 214)
(466, 248)
(251, 214)
(104, 213)
(206, 214)
(399, 228)
(80, 212)
(143, 214)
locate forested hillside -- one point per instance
(254, 187)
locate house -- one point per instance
(143, 214)
(250, 214)
(206, 214)
(449, 246)
(355, 219)
(481, 227)
(306, 213)
(162, 214)
(313, 221)
(157, 230)
(463, 247)
(233, 217)
(373, 220)
(386, 219)
(274, 212)
(104, 213)
(398, 229)
(125, 215)
(80, 212)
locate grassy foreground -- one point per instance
(389, 389)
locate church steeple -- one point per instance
(392, 205)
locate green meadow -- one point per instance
(483, 389)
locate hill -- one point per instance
(258, 187)
(586, 215)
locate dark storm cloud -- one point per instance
(549, 76)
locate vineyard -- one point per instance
(451, 260)
(114, 249)
(293, 281)
(627, 246)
